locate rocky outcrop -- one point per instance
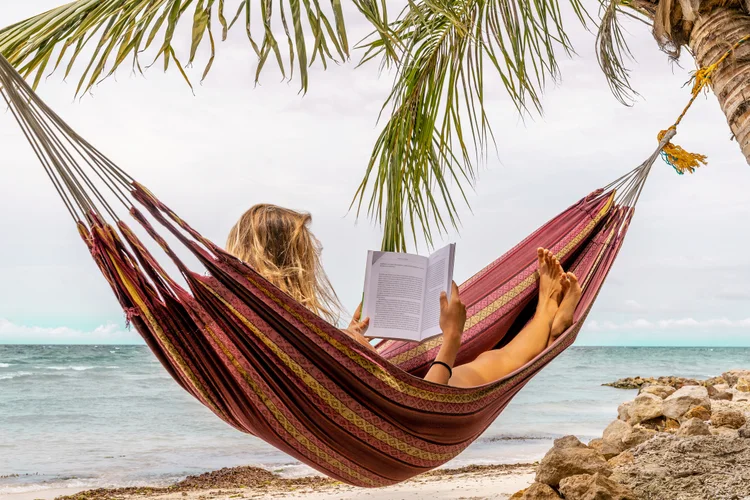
(743, 384)
(693, 427)
(592, 487)
(637, 436)
(638, 382)
(617, 431)
(663, 391)
(722, 396)
(671, 467)
(732, 376)
(645, 407)
(608, 449)
(731, 418)
(684, 399)
(700, 412)
(679, 439)
(537, 491)
(569, 457)
(623, 411)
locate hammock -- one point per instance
(267, 366)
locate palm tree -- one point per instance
(436, 130)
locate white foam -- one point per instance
(5, 365)
(74, 368)
(10, 376)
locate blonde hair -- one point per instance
(279, 245)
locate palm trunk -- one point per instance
(712, 35)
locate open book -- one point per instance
(402, 293)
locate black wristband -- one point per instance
(450, 370)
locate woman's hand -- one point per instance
(357, 329)
(452, 317)
(355, 325)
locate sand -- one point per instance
(473, 482)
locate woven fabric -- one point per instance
(269, 367)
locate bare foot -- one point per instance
(571, 298)
(550, 284)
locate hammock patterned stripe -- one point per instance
(269, 367)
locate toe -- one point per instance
(565, 282)
(540, 258)
(573, 279)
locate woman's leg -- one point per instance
(495, 364)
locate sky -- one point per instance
(682, 278)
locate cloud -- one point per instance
(667, 324)
(12, 333)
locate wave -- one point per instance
(5, 365)
(11, 376)
(77, 368)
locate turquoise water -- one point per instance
(88, 416)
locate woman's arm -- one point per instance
(452, 321)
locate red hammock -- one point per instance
(268, 366)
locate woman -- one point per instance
(278, 244)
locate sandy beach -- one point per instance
(492, 481)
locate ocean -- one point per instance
(107, 416)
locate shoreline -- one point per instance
(251, 482)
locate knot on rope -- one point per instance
(682, 161)
(702, 77)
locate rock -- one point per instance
(721, 387)
(716, 381)
(608, 449)
(570, 457)
(593, 487)
(711, 390)
(693, 427)
(731, 418)
(568, 442)
(623, 458)
(726, 432)
(617, 431)
(722, 396)
(655, 424)
(697, 412)
(743, 384)
(662, 391)
(637, 436)
(732, 376)
(685, 398)
(638, 382)
(537, 491)
(744, 431)
(645, 407)
(623, 411)
(669, 467)
(671, 425)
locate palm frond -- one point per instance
(122, 29)
(613, 51)
(438, 130)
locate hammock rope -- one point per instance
(683, 161)
(269, 367)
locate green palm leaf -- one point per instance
(437, 132)
(125, 29)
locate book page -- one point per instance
(394, 290)
(439, 277)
